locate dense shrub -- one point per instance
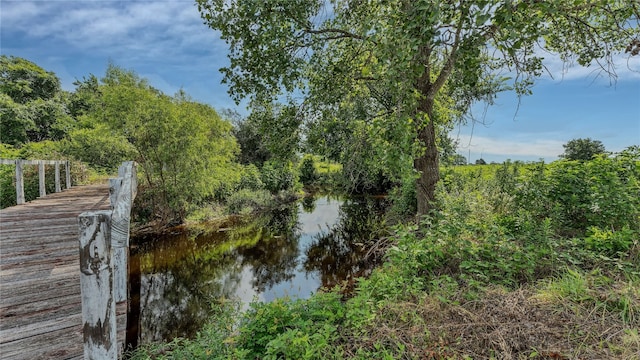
(277, 176)
(453, 281)
(99, 147)
(308, 173)
(246, 201)
(575, 195)
(284, 329)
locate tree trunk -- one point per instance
(427, 164)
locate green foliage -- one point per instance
(250, 178)
(32, 103)
(582, 149)
(99, 147)
(576, 195)
(246, 201)
(86, 97)
(308, 173)
(344, 58)
(301, 329)
(610, 242)
(184, 150)
(25, 81)
(492, 232)
(278, 176)
(404, 199)
(253, 147)
(210, 343)
(8, 176)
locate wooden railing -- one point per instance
(19, 163)
(104, 250)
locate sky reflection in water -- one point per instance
(291, 252)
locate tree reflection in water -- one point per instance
(283, 253)
(339, 253)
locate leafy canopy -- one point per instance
(409, 65)
(185, 151)
(32, 103)
(582, 149)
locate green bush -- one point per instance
(610, 242)
(575, 195)
(277, 176)
(250, 178)
(285, 329)
(99, 147)
(246, 201)
(308, 173)
(404, 201)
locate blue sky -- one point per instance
(167, 43)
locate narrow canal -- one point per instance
(291, 251)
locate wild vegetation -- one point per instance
(502, 261)
(386, 79)
(192, 163)
(534, 261)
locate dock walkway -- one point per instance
(40, 302)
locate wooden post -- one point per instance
(122, 191)
(120, 240)
(19, 183)
(96, 283)
(68, 174)
(57, 176)
(43, 190)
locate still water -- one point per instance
(292, 251)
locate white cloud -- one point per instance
(144, 30)
(624, 66)
(523, 147)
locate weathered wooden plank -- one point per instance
(12, 275)
(42, 327)
(61, 344)
(22, 254)
(39, 275)
(22, 316)
(38, 258)
(25, 291)
(36, 238)
(42, 231)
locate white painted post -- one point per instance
(19, 183)
(119, 237)
(43, 190)
(57, 176)
(122, 191)
(68, 174)
(96, 283)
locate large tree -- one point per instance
(582, 149)
(406, 56)
(32, 103)
(184, 150)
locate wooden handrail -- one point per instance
(19, 163)
(104, 250)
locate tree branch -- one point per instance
(338, 34)
(448, 66)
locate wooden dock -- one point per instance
(40, 302)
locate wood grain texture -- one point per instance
(40, 301)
